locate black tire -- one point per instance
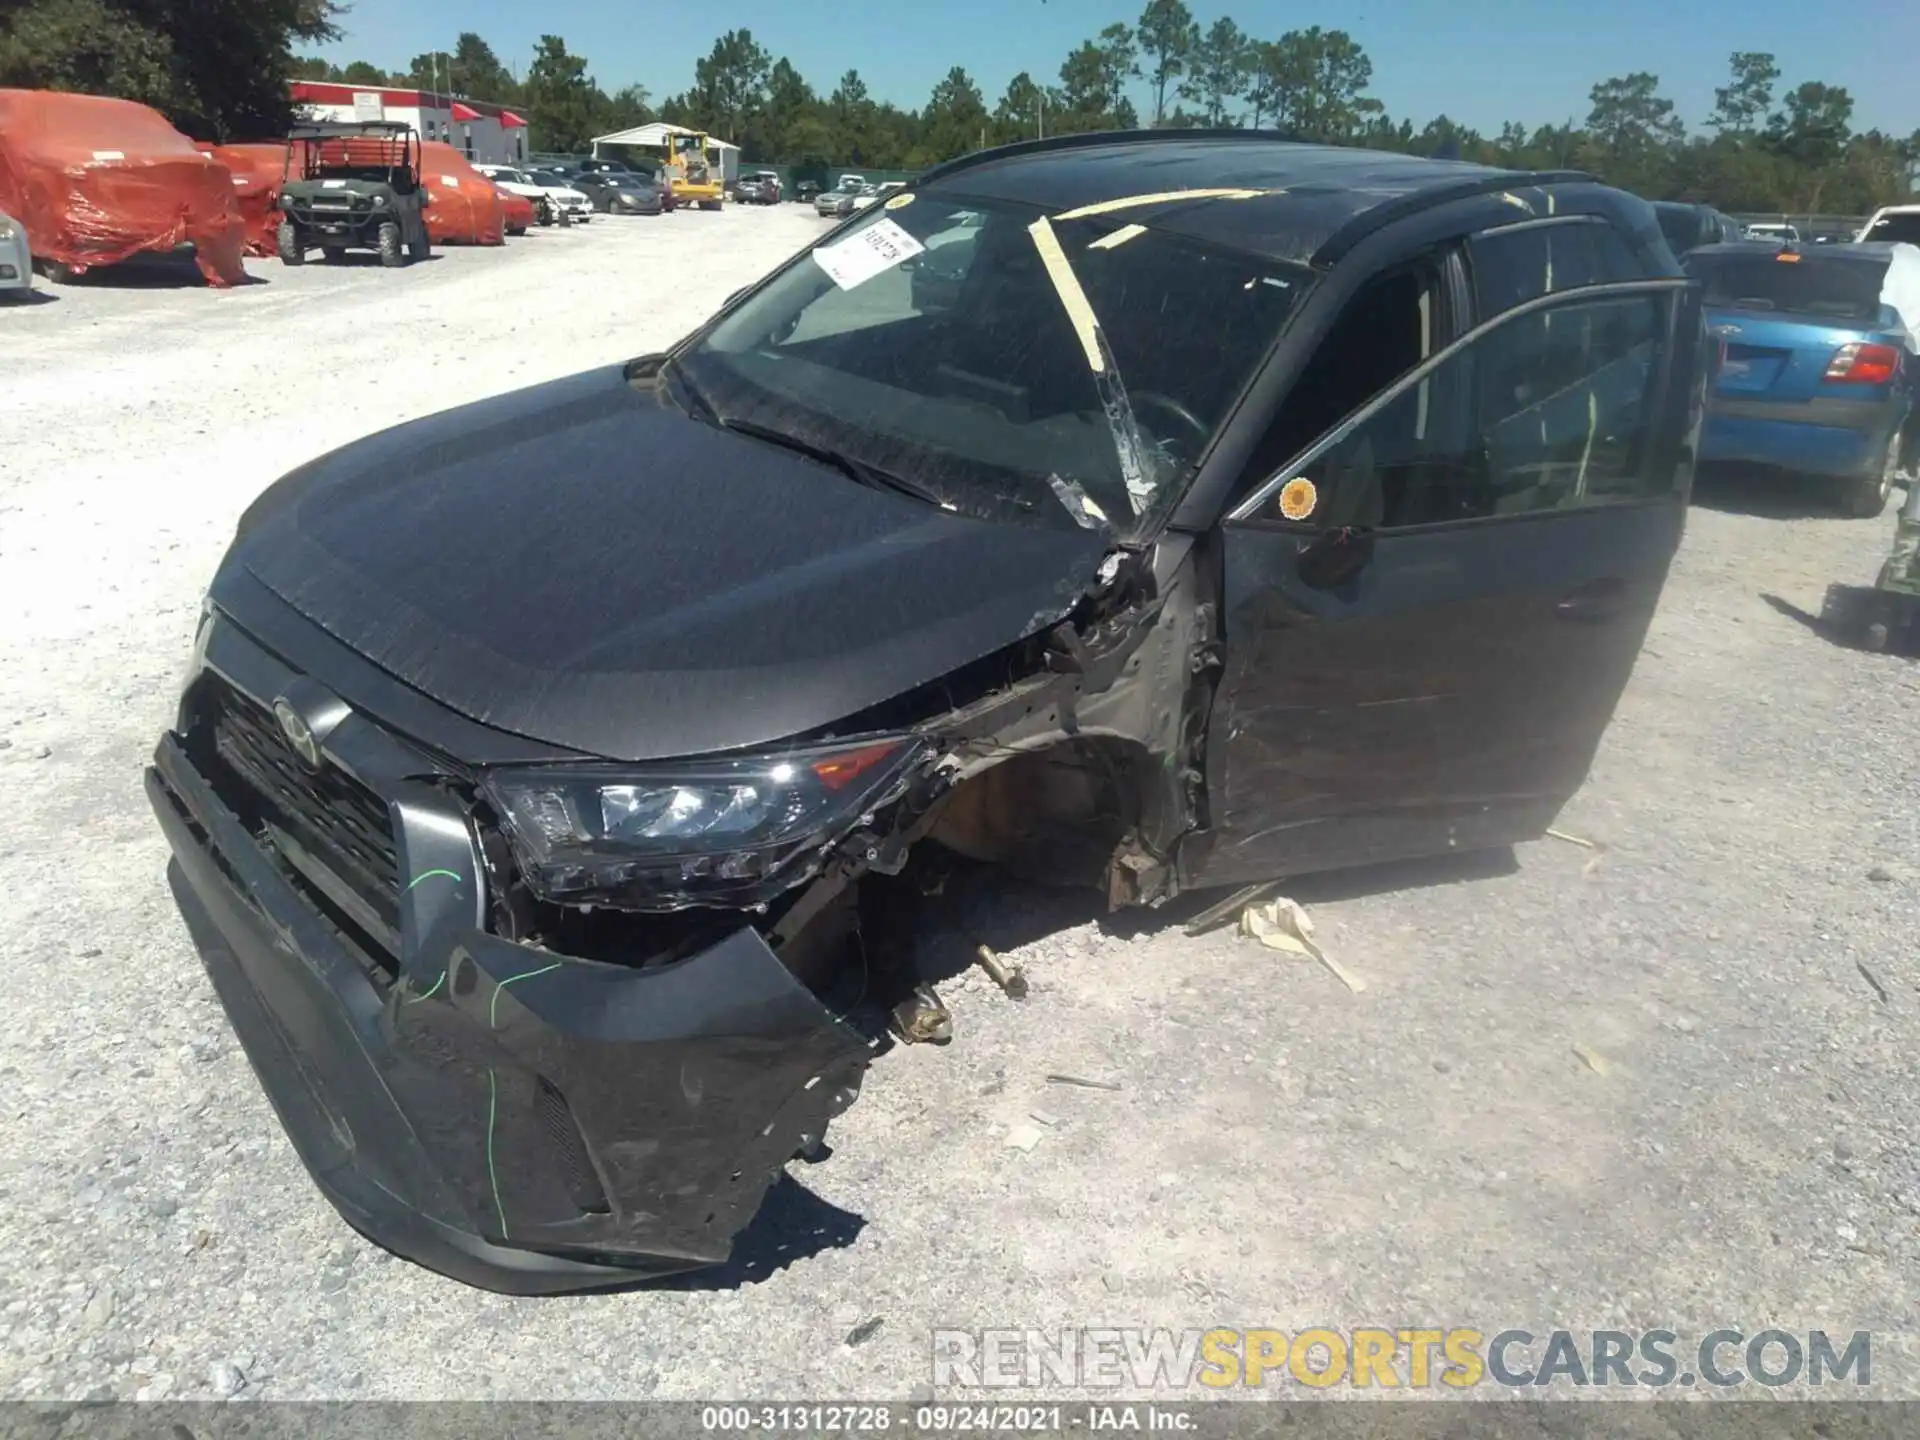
(709, 204)
(516, 230)
(387, 240)
(421, 246)
(293, 250)
(58, 272)
(1867, 496)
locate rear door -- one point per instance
(1431, 612)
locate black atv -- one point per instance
(358, 188)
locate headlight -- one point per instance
(7, 231)
(708, 832)
(379, 202)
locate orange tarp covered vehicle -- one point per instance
(463, 206)
(257, 171)
(95, 180)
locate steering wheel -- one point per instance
(1155, 401)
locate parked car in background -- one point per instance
(518, 210)
(806, 192)
(1687, 227)
(622, 193)
(568, 199)
(16, 258)
(843, 200)
(1892, 223)
(1815, 377)
(542, 764)
(761, 187)
(1773, 230)
(839, 199)
(558, 183)
(511, 181)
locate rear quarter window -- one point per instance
(1514, 266)
(1682, 226)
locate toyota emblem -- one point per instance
(299, 734)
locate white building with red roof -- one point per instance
(487, 134)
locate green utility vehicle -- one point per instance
(357, 187)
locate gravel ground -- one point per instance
(1430, 1151)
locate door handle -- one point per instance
(1596, 600)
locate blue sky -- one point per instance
(1480, 61)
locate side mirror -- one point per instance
(1334, 557)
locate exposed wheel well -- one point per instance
(1056, 813)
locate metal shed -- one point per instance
(649, 143)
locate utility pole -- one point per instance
(1040, 114)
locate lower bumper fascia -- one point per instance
(1791, 444)
(522, 1122)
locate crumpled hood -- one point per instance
(579, 565)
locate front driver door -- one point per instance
(1425, 656)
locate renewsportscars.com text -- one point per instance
(1394, 1359)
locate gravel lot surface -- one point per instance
(1431, 1151)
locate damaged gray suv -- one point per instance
(1162, 512)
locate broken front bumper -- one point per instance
(506, 1116)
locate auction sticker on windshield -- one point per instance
(860, 257)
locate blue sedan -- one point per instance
(1814, 375)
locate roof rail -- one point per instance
(1095, 138)
(1380, 216)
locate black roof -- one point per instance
(1314, 191)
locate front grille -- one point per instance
(340, 821)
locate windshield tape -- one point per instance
(1066, 285)
(1118, 237)
(1080, 505)
(1160, 197)
(1137, 471)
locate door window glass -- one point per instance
(1515, 266)
(1386, 330)
(1552, 410)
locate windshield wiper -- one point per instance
(861, 472)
